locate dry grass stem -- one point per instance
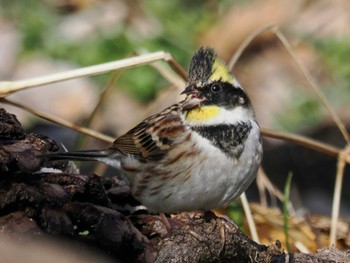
(174, 79)
(265, 185)
(177, 67)
(337, 195)
(313, 84)
(304, 141)
(9, 87)
(301, 247)
(246, 43)
(250, 219)
(60, 121)
(106, 91)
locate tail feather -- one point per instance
(88, 155)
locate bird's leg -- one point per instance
(165, 221)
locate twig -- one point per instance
(246, 43)
(103, 96)
(60, 121)
(106, 91)
(9, 87)
(336, 196)
(169, 76)
(301, 140)
(264, 183)
(249, 216)
(313, 85)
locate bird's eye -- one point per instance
(215, 88)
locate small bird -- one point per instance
(198, 154)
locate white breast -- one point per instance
(215, 178)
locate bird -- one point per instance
(196, 155)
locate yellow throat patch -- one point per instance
(220, 72)
(202, 114)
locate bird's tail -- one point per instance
(88, 155)
(108, 156)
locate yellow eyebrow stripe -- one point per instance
(220, 72)
(202, 114)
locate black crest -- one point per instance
(201, 65)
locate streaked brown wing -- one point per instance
(152, 138)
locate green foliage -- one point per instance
(302, 111)
(286, 200)
(336, 54)
(33, 18)
(145, 82)
(235, 212)
(92, 51)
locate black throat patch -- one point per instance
(229, 138)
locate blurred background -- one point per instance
(42, 37)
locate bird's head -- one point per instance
(213, 93)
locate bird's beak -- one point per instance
(190, 90)
(193, 98)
